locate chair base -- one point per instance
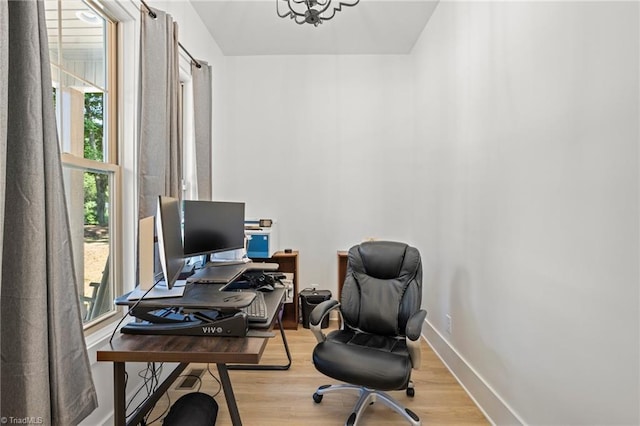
(368, 397)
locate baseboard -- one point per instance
(494, 408)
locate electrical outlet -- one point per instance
(449, 323)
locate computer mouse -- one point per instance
(265, 287)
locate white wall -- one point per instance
(528, 126)
(324, 145)
(505, 147)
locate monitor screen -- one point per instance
(168, 228)
(212, 227)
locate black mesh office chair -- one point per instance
(378, 343)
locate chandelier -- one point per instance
(311, 11)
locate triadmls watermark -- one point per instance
(10, 420)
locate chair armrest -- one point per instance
(321, 310)
(413, 333)
(317, 314)
(414, 325)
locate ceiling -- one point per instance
(376, 27)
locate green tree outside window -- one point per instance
(95, 184)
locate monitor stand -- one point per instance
(172, 321)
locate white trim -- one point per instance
(495, 409)
(71, 160)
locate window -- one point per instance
(82, 50)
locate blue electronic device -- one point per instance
(261, 243)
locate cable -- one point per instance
(151, 367)
(165, 411)
(217, 381)
(131, 308)
(150, 375)
(143, 374)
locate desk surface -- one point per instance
(183, 349)
(200, 349)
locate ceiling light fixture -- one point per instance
(312, 11)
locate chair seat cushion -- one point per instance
(375, 362)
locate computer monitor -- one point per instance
(212, 227)
(168, 229)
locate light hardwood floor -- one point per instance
(285, 397)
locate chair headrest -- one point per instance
(384, 259)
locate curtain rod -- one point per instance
(153, 15)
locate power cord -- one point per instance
(131, 308)
(216, 380)
(150, 375)
(168, 407)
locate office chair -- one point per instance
(378, 343)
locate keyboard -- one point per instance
(257, 310)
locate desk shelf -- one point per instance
(288, 263)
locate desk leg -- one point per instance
(228, 394)
(268, 367)
(119, 397)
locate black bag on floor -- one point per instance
(192, 409)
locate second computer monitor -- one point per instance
(212, 227)
(169, 239)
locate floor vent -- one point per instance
(191, 379)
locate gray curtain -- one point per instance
(202, 107)
(45, 369)
(160, 141)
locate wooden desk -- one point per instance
(183, 350)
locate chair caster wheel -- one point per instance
(411, 392)
(317, 398)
